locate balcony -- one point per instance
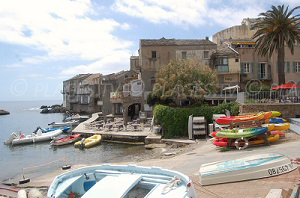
(222, 68)
(265, 76)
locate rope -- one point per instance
(208, 191)
(46, 164)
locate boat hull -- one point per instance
(248, 168)
(65, 140)
(37, 138)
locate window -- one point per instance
(236, 60)
(223, 61)
(206, 55)
(153, 54)
(183, 55)
(247, 68)
(297, 66)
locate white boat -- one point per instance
(14, 139)
(126, 181)
(247, 168)
(71, 124)
(77, 117)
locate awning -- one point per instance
(286, 86)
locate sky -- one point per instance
(44, 42)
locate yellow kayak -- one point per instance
(88, 142)
(269, 126)
(275, 114)
(281, 126)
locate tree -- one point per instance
(277, 28)
(184, 80)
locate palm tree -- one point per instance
(277, 28)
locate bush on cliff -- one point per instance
(174, 121)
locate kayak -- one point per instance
(229, 119)
(275, 114)
(280, 133)
(88, 142)
(65, 140)
(275, 120)
(280, 127)
(253, 141)
(239, 133)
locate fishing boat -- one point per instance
(239, 133)
(14, 139)
(71, 124)
(247, 168)
(88, 142)
(65, 140)
(122, 181)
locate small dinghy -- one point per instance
(88, 142)
(247, 168)
(14, 139)
(65, 140)
(122, 181)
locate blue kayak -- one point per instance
(276, 120)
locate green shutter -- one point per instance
(242, 67)
(288, 67)
(258, 71)
(252, 68)
(277, 67)
(294, 66)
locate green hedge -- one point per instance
(174, 121)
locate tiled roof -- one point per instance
(175, 42)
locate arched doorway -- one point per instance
(133, 111)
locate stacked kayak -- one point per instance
(252, 141)
(239, 133)
(253, 132)
(88, 142)
(230, 119)
(65, 140)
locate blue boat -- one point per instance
(46, 130)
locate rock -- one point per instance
(3, 112)
(45, 110)
(153, 146)
(55, 110)
(43, 107)
(54, 106)
(171, 153)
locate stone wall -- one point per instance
(288, 110)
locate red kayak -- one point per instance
(65, 140)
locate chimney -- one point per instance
(207, 38)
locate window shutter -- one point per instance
(252, 68)
(242, 67)
(294, 67)
(288, 67)
(258, 71)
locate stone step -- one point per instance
(295, 121)
(295, 128)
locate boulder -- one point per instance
(43, 107)
(3, 112)
(45, 110)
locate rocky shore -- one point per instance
(53, 109)
(3, 112)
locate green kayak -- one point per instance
(234, 133)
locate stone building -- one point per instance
(238, 39)
(81, 93)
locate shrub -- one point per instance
(174, 121)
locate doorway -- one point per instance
(133, 111)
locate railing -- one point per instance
(269, 97)
(227, 69)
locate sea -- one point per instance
(36, 159)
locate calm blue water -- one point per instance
(25, 117)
